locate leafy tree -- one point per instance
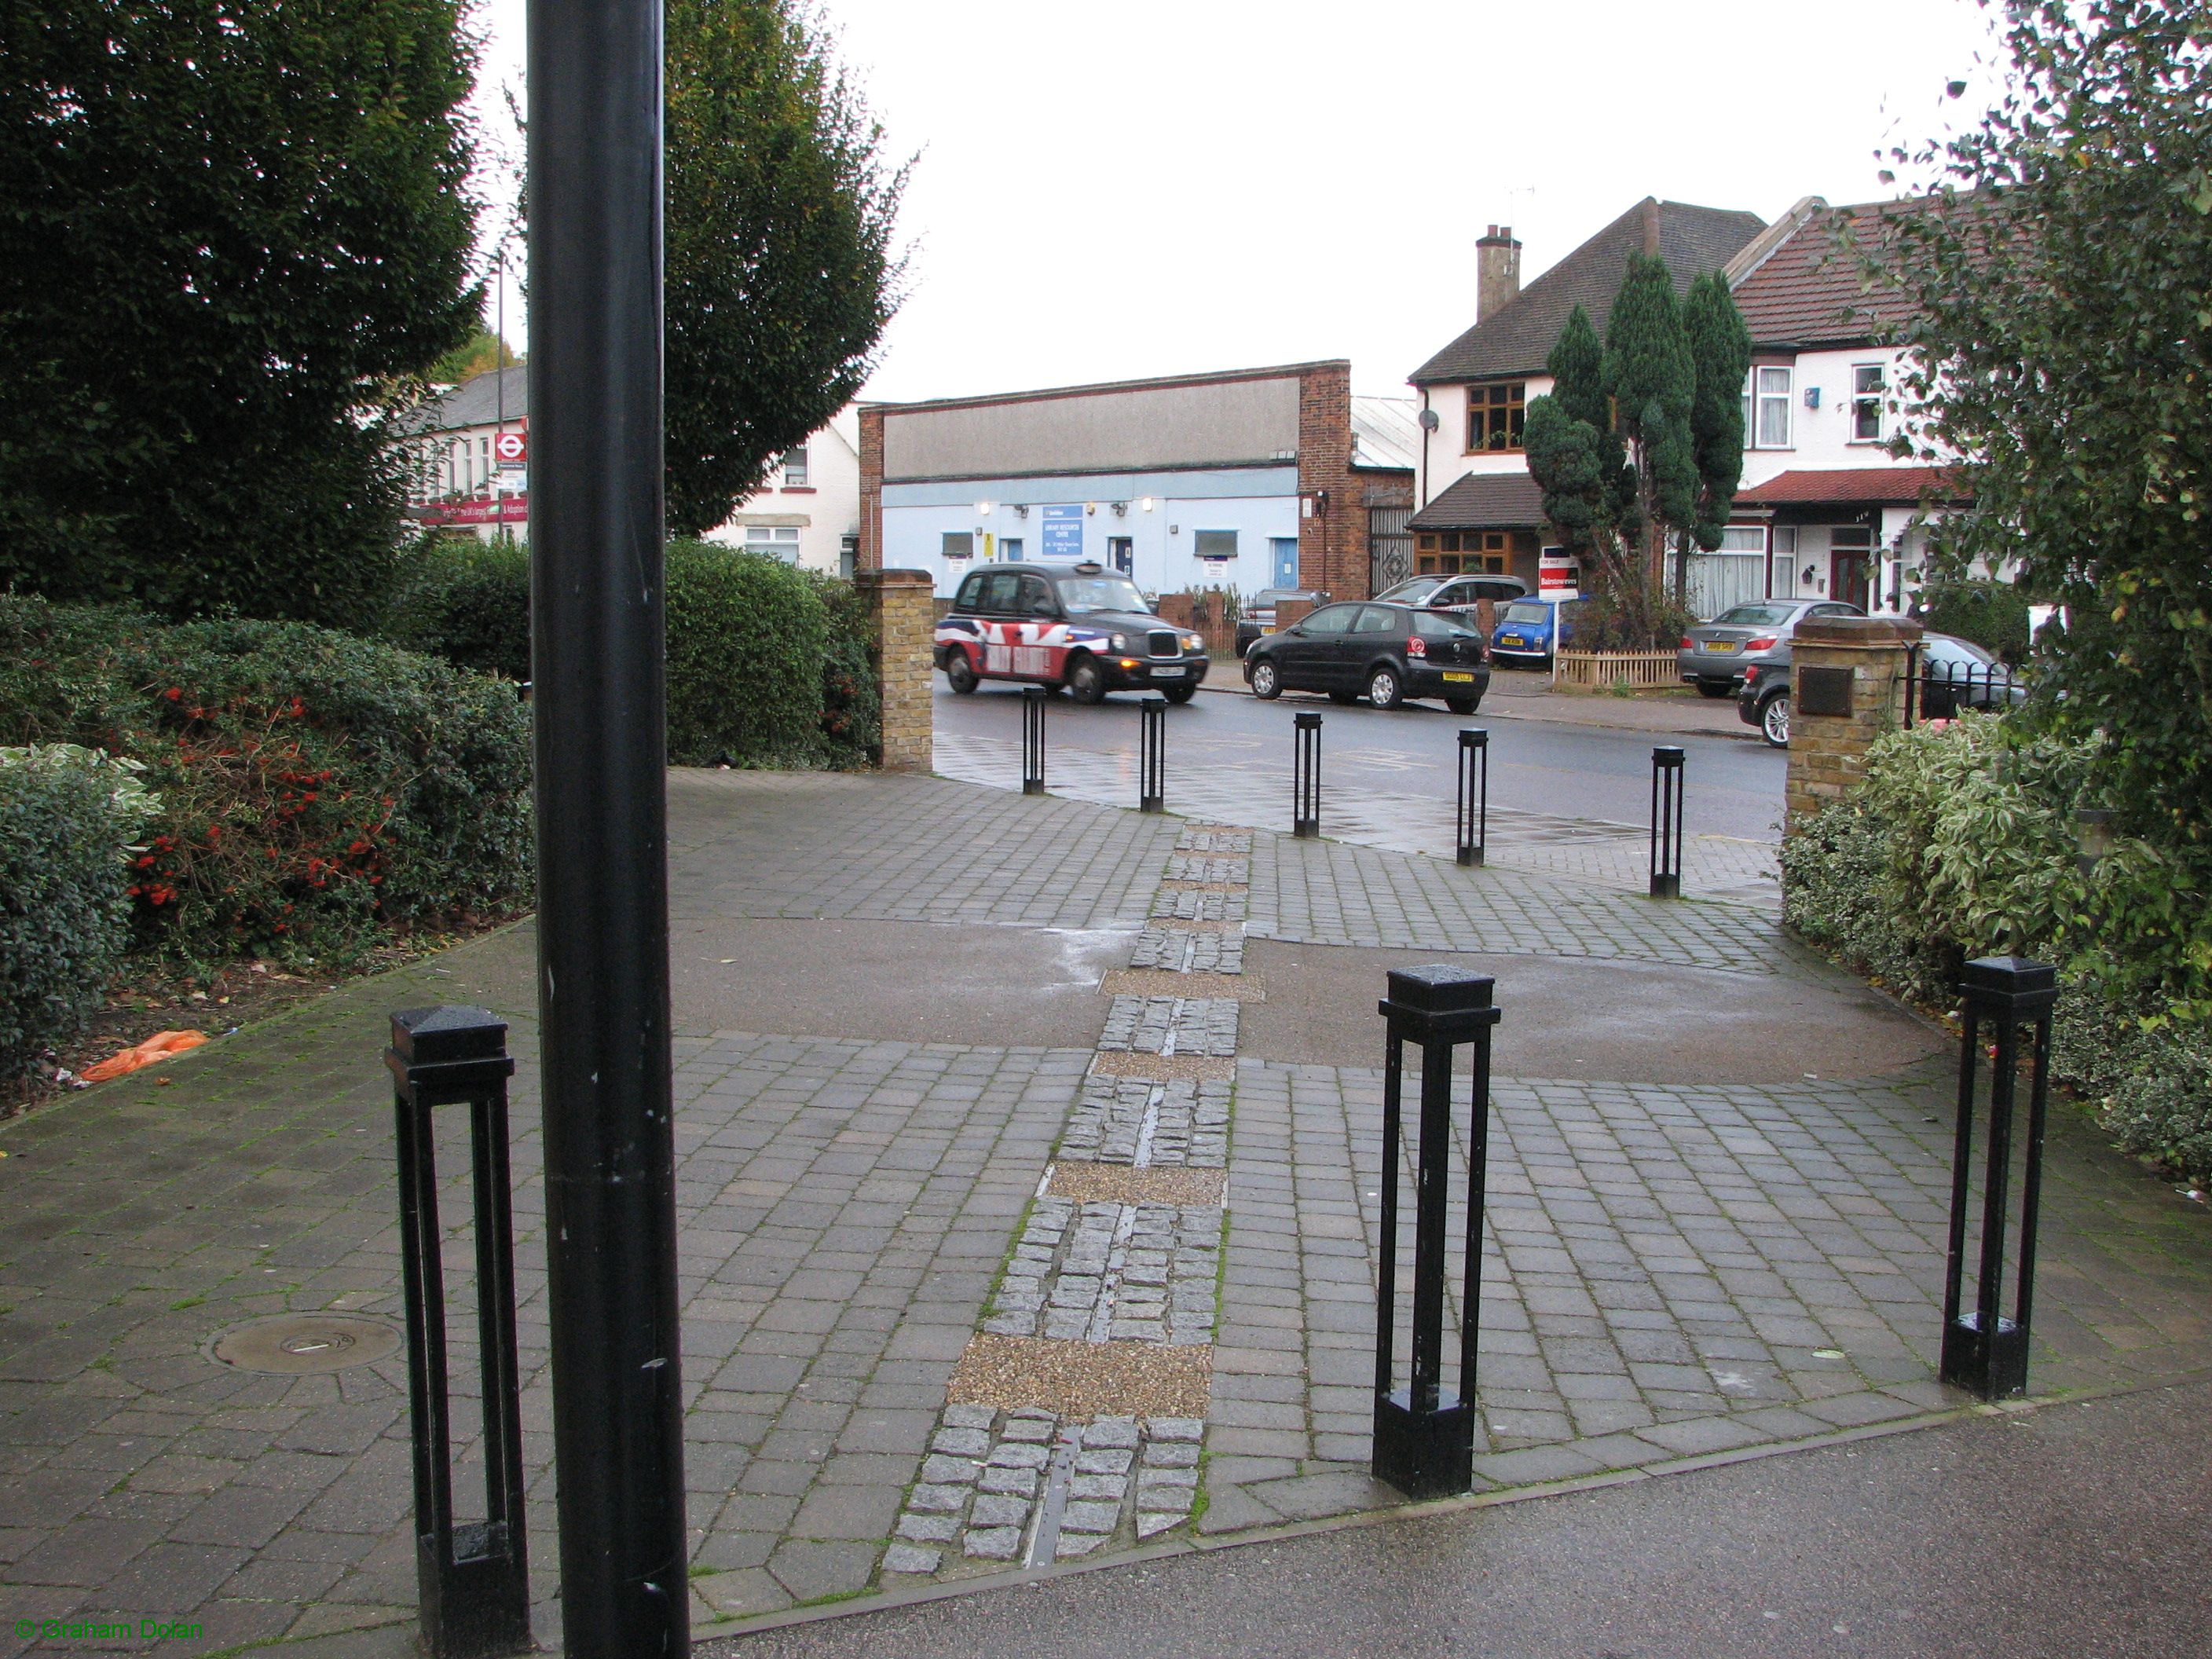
(1720, 351)
(479, 353)
(781, 273)
(2061, 353)
(228, 228)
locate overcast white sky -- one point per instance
(1162, 187)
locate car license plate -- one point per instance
(1458, 678)
(1718, 647)
(1174, 674)
(1269, 629)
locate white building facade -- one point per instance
(808, 512)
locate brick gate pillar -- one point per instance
(902, 610)
(1847, 688)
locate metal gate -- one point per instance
(1390, 547)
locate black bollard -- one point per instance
(1425, 1436)
(1665, 822)
(472, 1582)
(1983, 1350)
(1033, 740)
(1305, 775)
(1473, 794)
(1151, 755)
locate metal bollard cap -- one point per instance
(1439, 988)
(2012, 984)
(1475, 736)
(1306, 721)
(447, 1033)
(1666, 754)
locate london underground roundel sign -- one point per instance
(511, 448)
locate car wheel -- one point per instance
(1774, 720)
(1267, 683)
(1716, 688)
(960, 673)
(1086, 680)
(1179, 694)
(1383, 689)
(1462, 706)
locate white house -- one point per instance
(1824, 509)
(470, 447)
(809, 510)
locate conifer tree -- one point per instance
(1653, 382)
(1720, 350)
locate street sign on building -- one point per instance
(511, 449)
(1063, 533)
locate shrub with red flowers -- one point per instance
(318, 790)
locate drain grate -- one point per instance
(302, 1345)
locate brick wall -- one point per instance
(1828, 752)
(1332, 543)
(903, 615)
(870, 555)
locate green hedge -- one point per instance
(1959, 843)
(768, 665)
(65, 832)
(317, 789)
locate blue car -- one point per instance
(1526, 629)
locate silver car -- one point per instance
(1713, 655)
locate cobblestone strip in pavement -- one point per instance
(1592, 851)
(1010, 1480)
(1668, 1271)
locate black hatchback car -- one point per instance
(1078, 625)
(1386, 652)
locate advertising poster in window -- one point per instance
(1063, 533)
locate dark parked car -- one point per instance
(1076, 625)
(1715, 656)
(1257, 620)
(1951, 674)
(1387, 653)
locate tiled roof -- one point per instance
(1857, 486)
(1485, 500)
(1519, 335)
(1810, 292)
(475, 402)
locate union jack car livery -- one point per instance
(1076, 625)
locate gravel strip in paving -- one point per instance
(1117, 1184)
(1083, 1379)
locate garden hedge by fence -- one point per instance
(1959, 842)
(317, 789)
(768, 664)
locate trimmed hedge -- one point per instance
(1959, 843)
(317, 789)
(65, 919)
(768, 664)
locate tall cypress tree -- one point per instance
(1720, 349)
(1653, 381)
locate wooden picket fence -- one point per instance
(1601, 670)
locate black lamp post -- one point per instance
(597, 676)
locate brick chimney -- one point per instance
(1496, 271)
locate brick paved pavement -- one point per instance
(1671, 1271)
(1256, 792)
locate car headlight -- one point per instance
(1119, 642)
(1194, 641)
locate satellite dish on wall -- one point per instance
(1430, 420)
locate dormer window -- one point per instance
(1496, 415)
(794, 468)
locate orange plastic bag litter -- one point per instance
(156, 1047)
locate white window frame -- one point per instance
(797, 468)
(1782, 562)
(1865, 398)
(1757, 395)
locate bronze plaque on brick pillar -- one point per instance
(1825, 691)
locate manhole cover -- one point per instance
(297, 1344)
